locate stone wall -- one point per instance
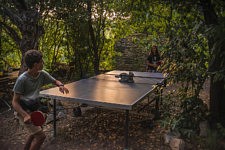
(131, 57)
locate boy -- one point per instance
(26, 91)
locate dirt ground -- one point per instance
(96, 129)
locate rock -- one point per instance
(177, 144)
(204, 127)
(49, 118)
(61, 114)
(170, 135)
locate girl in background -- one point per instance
(153, 60)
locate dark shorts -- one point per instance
(31, 105)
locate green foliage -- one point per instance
(9, 54)
(193, 112)
(52, 44)
(186, 56)
(214, 139)
(184, 115)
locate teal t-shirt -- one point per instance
(29, 87)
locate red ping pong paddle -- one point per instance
(37, 118)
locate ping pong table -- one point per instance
(105, 90)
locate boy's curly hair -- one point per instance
(32, 57)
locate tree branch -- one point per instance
(12, 16)
(13, 34)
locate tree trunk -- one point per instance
(0, 39)
(217, 102)
(30, 34)
(26, 20)
(94, 46)
(217, 90)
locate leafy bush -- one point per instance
(184, 116)
(193, 111)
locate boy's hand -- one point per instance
(63, 89)
(27, 119)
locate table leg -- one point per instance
(161, 98)
(157, 98)
(126, 130)
(54, 117)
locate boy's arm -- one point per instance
(16, 105)
(58, 83)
